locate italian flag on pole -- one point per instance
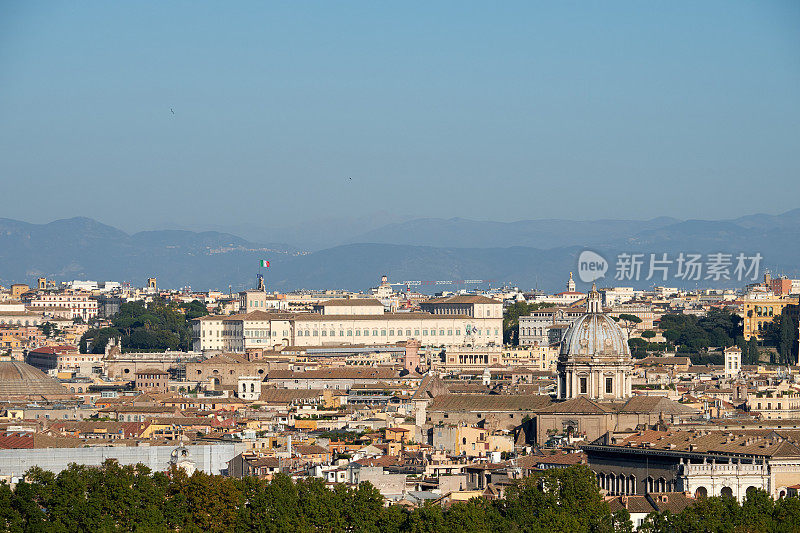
(264, 263)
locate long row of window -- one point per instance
(391, 332)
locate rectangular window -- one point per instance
(583, 386)
(366, 333)
(391, 333)
(383, 333)
(425, 332)
(609, 385)
(324, 333)
(408, 333)
(416, 332)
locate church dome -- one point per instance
(594, 334)
(20, 380)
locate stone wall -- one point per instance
(210, 458)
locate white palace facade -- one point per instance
(363, 323)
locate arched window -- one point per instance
(726, 492)
(701, 492)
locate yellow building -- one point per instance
(18, 289)
(760, 308)
(531, 357)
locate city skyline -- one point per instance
(448, 266)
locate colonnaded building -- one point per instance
(460, 320)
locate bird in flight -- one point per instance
(172, 110)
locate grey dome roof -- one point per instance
(595, 334)
(21, 380)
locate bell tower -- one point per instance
(594, 302)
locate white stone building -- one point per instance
(260, 330)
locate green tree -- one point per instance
(638, 348)
(157, 326)
(47, 329)
(690, 334)
(753, 353)
(549, 501)
(782, 334)
(629, 322)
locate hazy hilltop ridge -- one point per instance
(465, 233)
(82, 248)
(532, 253)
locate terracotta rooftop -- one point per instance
(721, 442)
(483, 403)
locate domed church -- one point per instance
(20, 381)
(594, 361)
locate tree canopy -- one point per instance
(156, 326)
(692, 334)
(782, 334)
(131, 498)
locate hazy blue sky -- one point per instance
(494, 110)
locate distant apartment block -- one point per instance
(79, 305)
(62, 357)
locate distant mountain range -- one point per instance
(544, 234)
(82, 248)
(530, 253)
